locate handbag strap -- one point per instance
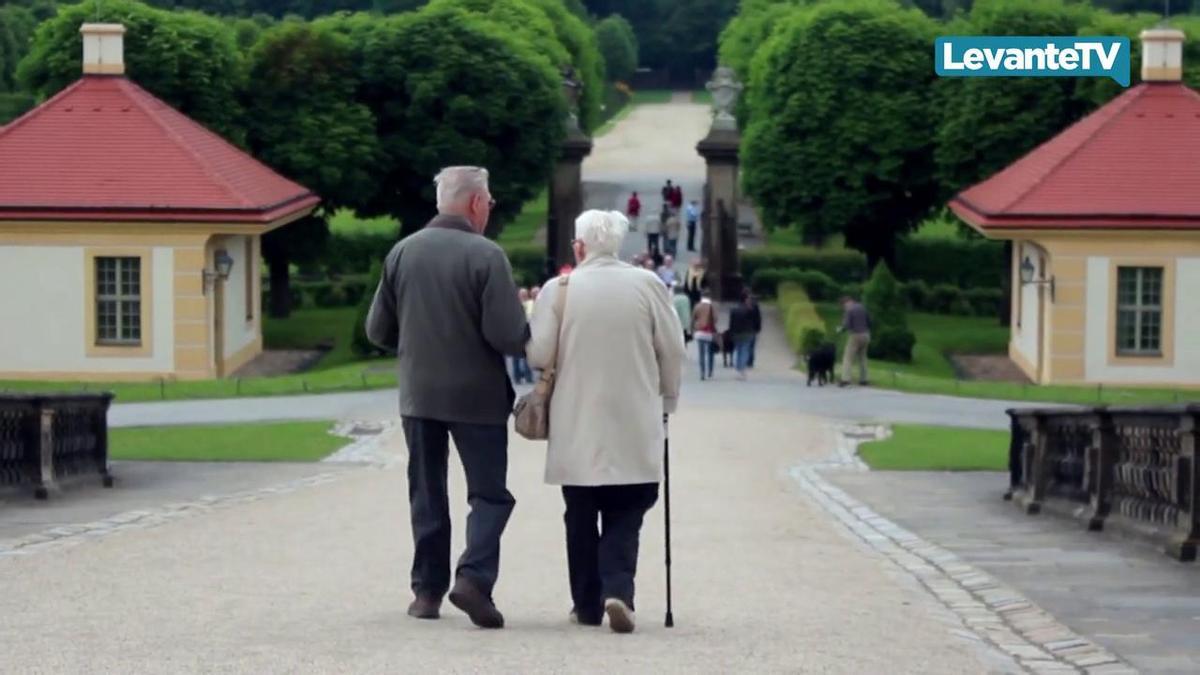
(560, 308)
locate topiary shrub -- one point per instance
(892, 344)
(359, 343)
(944, 297)
(891, 340)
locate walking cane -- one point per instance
(670, 620)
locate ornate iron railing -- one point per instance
(46, 438)
(1131, 467)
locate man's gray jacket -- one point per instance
(448, 306)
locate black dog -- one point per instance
(726, 343)
(820, 364)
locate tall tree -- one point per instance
(839, 141)
(618, 44)
(691, 30)
(187, 59)
(303, 121)
(447, 87)
(987, 123)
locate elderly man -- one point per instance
(448, 306)
(857, 322)
(606, 431)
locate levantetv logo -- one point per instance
(1024, 56)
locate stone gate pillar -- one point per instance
(720, 152)
(565, 193)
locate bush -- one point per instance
(327, 295)
(892, 344)
(891, 340)
(353, 291)
(799, 315)
(355, 253)
(359, 342)
(528, 263)
(883, 298)
(944, 297)
(917, 294)
(984, 301)
(817, 285)
(840, 265)
(965, 263)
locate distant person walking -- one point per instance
(666, 271)
(520, 366)
(671, 234)
(633, 209)
(695, 281)
(676, 199)
(668, 192)
(857, 322)
(683, 308)
(693, 218)
(756, 323)
(741, 331)
(704, 331)
(653, 230)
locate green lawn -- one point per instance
(790, 238)
(339, 370)
(932, 373)
(916, 447)
(651, 96)
(273, 442)
(309, 328)
(937, 336)
(347, 222)
(703, 96)
(525, 226)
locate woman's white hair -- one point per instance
(456, 183)
(601, 231)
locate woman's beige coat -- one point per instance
(619, 361)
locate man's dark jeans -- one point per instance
(691, 230)
(483, 449)
(602, 562)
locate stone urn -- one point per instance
(571, 89)
(725, 90)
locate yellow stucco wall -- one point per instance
(1069, 348)
(190, 249)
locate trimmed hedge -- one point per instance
(802, 325)
(840, 265)
(355, 253)
(965, 263)
(891, 340)
(919, 296)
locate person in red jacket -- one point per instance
(633, 209)
(676, 199)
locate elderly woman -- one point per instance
(618, 349)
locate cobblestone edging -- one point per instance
(367, 449)
(991, 612)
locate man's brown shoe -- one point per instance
(423, 607)
(466, 596)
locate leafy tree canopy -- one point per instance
(187, 59)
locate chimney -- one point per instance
(1162, 54)
(103, 48)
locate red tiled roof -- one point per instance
(106, 149)
(1132, 164)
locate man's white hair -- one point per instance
(456, 183)
(601, 231)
